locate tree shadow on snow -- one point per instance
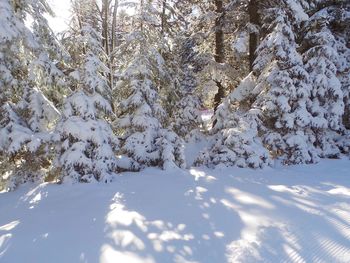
(53, 223)
(167, 222)
(284, 221)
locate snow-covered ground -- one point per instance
(282, 214)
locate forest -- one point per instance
(125, 86)
(174, 131)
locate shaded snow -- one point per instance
(292, 214)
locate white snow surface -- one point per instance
(281, 214)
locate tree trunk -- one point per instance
(113, 44)
(253, 37)
(163, 18)
(141, 14)
(114, 25)
(219, 34)
(219, 51)
(106, 43)
(105, 35)
(77, 10)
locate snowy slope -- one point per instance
(282, 214)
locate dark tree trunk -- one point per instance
(219, 34)
(219, 51)
(253, 37)
(163, 18)
(141, 10)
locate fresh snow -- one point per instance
(281, 214)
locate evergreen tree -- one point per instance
(339, 24)
(274, 106)
(27, 116)
(284, 87)
(86, 144)
(236, 132)
(186, 113)
(187, 116)
(327, 106)
(142, 116)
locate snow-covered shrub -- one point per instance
(239, 145)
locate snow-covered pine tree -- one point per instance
(86, 143)
(142, 117)
(283, 86)
(27, 116)
(186, 114)
(236, 140)
(49, 62)
(327, 105)
(208, 24)
(270, 110)
(339, 24)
